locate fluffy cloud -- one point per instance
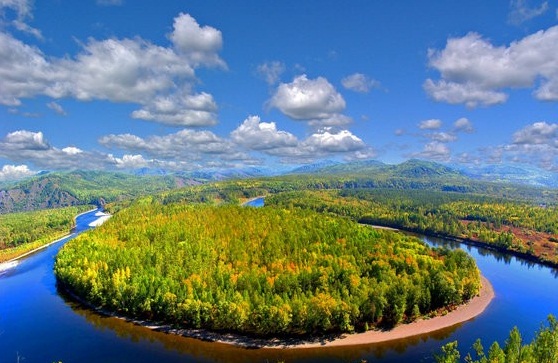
(535, 144)
(32, 147)
(522, 12)
(328, 142)
(199, 45)
(475, 72)
(160, 79)
(359, 82)
(307, 99)
(130, 162)
(432, 124)
(271, 71)
(22, 13)
(443, 137)
(24, 140)
(256, 135)
(184, 145)
(72, 150)
(463, 125)
(24, 71)
(435, 150)
(118, 70)
(180, 109)
(469, 94)
(336, 120)
(14, 172)
(539, 133)
(324, 143)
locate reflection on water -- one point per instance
(219, 352)
(500, 257)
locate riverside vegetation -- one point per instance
(542, 349)
(266, 271)
(509, 225)
(25, 231)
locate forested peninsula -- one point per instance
(261, 272)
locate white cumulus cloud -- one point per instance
(33, 148)
(24, 140)
(184, 145)
(307, 99)
(15, 172)
(120, 70)
(431, 124)
(436, 151)
(444, 137)
(538, 133)
(180, 109)
(463, 125)
(130, 162)
(72, 150)
(359, 82)
(476, 72)
(469, 94)
(199, 44)
(256, 135)
(330, 142)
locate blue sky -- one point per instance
(188, 85)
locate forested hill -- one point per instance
(414, 168)
(409, 169)
(54, 190)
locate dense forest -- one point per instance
(260, 271)
(62, 189)
(25, 231)
(542, 349)
(515, 226)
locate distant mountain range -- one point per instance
(516, 174)
(57, 189)
(413, 168)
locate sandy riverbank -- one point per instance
(461, 314)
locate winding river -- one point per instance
(39, 324)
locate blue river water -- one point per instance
(39, 324)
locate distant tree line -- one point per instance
(479, 218)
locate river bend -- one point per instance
(39, 324)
